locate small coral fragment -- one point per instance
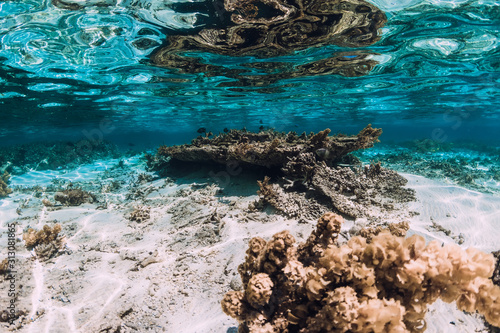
(382, 285)
(46, 242)
(4, 266)
(259, 290)
(4, 180)
(140, 214)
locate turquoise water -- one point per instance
(68, 74)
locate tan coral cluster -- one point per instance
(46, 242)
(380, 286)
(4, 180)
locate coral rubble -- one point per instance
(46, 242)
(74, 197)
(381, 285)
(4, 189)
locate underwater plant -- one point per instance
(378, 285)
(4, 189)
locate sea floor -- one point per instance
(152, 254)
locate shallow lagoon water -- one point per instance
(85, 75)
(65, 71)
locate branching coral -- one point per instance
(380, 286)
(4, 180)
(140, 214)
(46, 242)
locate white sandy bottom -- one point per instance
(102, 285)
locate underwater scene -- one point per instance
(251, 166)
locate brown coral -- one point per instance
(4, 266)
(381, 286)
(4, 180)
(46, 242)
(74, 197)
(140, 214)
(313, 181)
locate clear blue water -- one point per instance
(66, 74)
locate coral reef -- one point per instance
(473, 166)
(4, 180)
(74, 197)
(312, 181)
(268, 148)
(47, 242)
(382, 285)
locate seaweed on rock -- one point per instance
(383, 285)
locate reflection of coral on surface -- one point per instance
(270, 28)
(4, 190)
(296, 26)
(46, 242)
(383, 285)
